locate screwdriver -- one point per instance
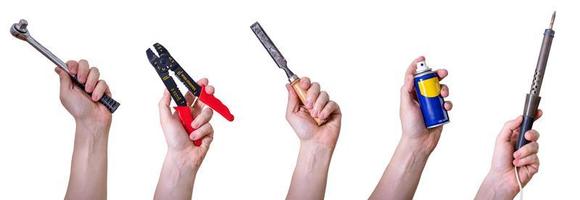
(281, 62)
(533, 98)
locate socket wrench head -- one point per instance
(19, 30)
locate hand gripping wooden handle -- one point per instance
(302, 95)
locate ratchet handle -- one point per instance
(186, 119)
(107, 101)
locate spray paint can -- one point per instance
(429, 96)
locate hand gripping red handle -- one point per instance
(215, 104)
(186, 119)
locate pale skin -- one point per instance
(402, 175)
(88, 176)
(183, 158)
(317, 143)
(500, 182)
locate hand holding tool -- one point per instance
(162, 64)
(20, 31)
(533, 98)
(281, 62)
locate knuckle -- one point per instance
(96, 70)
(333, 104)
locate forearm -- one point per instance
(177, 177)
(310, 174)
(88, 176)
(402, 175)
(495, 187)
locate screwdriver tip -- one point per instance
(552, 21)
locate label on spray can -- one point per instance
(429, 96)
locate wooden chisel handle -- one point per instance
(302, 95)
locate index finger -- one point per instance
(413, 66)
(73, 67)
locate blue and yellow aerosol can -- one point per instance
(429, 96)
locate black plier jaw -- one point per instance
(165, 62)
(162, 69)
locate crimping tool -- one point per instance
(162, 64)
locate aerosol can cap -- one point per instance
(422, 67)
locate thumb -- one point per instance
(293, 101)
(164, 110)
(407, 90)
(65, 81)
(508, 129)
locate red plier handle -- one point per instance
(184, 112)
(186, 119)
(215, 104)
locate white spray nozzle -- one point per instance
(421, 67)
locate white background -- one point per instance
(358, 51)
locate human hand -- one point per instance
(501, 177)
(414, 130)
(318, 105)
(178, 141)
(85, 109)
(88, 176)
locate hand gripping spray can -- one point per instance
(429, 96)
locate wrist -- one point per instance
(93, 126)
(182, 160)
(315, 155)
(94, 120)
(314, 148)
(417, 147)
(409, 159)
(91, 134)
(177, 177)
(496, 186)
